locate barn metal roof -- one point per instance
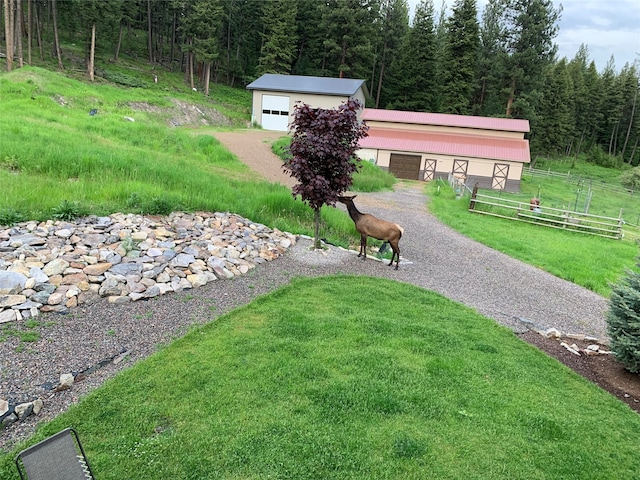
(459, 145)
(306, 84)
(443, 119)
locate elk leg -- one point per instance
(396, 254)
(363, 246)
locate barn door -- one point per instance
(429, 170)
(500, 175)
(460, 168)
(405, 166)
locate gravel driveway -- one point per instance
(433, 257)
(438, 258)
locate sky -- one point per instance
(606, 27)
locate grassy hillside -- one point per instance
(70, 148)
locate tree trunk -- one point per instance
(316, 229)
(626, 139)
(512, 94)
(190, 60)
(173, 42)
(612, 140)
(633, 151)
(29, 30)
(39, 33)
(8, 32)
(149, 32)
(207, 72)
(92, 53)
(119, 44)
(18, 31)
(382, 63)
(579, 148)
(56, 39)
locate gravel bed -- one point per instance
(433, 256)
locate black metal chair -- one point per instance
(59, 457)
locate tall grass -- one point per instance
(352, 378)
(53, 151)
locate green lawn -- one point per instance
(352, 378)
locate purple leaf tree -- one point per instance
(322, 154)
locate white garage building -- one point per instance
(274, 96)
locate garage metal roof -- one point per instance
(443, 119)
(306, 84)
(458, 145)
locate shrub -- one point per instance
(631, 178)
(623, 320)
(599, 157)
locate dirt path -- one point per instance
(253, 147)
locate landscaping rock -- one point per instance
(56, 266)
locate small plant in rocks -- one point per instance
(10, 216)
(67, 210)
(623, 320)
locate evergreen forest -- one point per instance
(498, 62)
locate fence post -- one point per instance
(474, 192)
(620, 223)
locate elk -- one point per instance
(370, 226)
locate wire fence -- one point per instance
(580, 180)
(532, 212)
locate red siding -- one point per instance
(441, 119)
(448, 144)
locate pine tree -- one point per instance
(578, 71)
(555, 113)
(349, 31)
(611, 108)
(460, 57)
(623, 320)
(488, 98)
(310, 51)
(412, 82)
(279, 37)
(394, 25)
(529, 28)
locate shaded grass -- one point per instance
(586, 260)
(351, 377)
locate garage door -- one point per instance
(405, 166)
(275, 112)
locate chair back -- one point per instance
(59, 457)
